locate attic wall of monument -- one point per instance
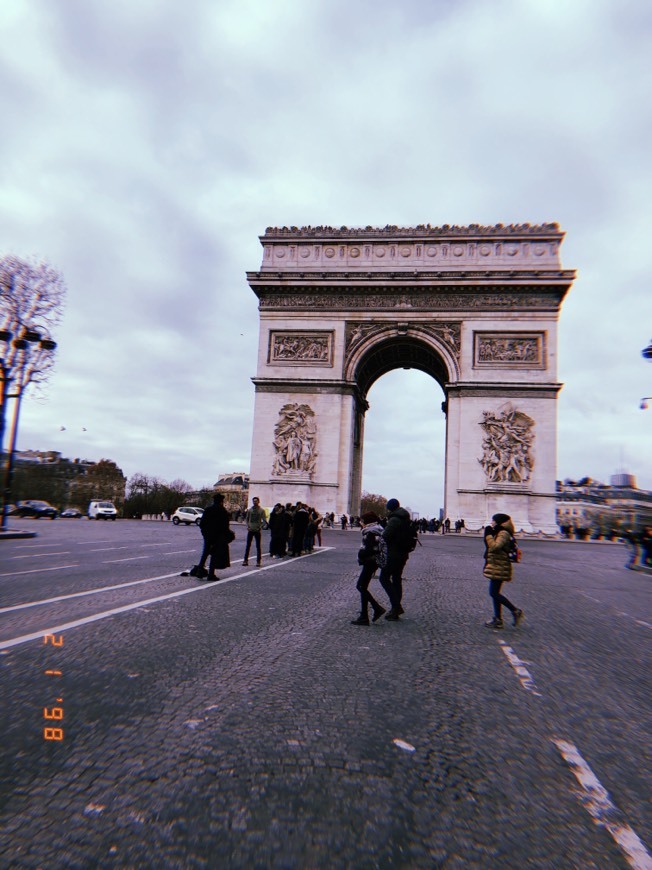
(387, 254)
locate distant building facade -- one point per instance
(235, 489)
(590, 509)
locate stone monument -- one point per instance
(474, 307)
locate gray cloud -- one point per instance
(149, 144)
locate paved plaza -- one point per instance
(248, 724)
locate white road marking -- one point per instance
(600, 807)
(522, 672)
(126, 559)
(66, 626)
(38, 570)
(105, 549)
(644, 624)
(32, 555)
(97, 591)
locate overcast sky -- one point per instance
(148, 143)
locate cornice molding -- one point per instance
(305, 385)
(271, 278)
(501, 389)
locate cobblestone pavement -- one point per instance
(250, 724)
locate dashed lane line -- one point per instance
(39, 570)
(126, 559)
(521, 671)
(37, 555)
(66, 626)
(106, 549)
(595, 799)
(593, 795)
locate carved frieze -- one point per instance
(507, 445)
(310, 347)
(295, 442)
(509, 350)
(407, 301)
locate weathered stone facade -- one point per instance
(474, 307)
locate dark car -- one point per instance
(71, 513)
(36, 510)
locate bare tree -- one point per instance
(372, 502)
(32, 297)
(31, 304)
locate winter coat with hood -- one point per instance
(367, 553)
(396, 521)
(497, 562)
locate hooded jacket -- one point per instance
(497, 562)
(367, 553)
(393, 533)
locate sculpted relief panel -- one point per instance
(300, 348)
(507, 445)
(295, 442)
(509, 350)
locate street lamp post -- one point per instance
(646, 353)
(24, 344)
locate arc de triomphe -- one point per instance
(474, 307)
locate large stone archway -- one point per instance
(476, 308)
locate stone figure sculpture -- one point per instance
(507, 444)
(295, 441)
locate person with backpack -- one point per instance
(399, 537)
(367, 557)
(499, 543)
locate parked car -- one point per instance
(71, 513)
(187, 515)
(102, 510)
(35, 509)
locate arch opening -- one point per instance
(404, 441)
(399, 352)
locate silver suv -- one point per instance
(187, 515)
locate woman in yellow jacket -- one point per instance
(498, 567)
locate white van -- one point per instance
(102, 510)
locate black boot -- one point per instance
(363, 619)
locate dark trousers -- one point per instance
(366, 598)
(277, 544)
(205, 553)
(252, 536)
(298, 535)
(498, 599)
(391, 579)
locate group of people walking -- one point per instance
(499, 544)
(294, 529)
(387, 548)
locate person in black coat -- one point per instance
(214, 526)
(299, 526)
(279, 527)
